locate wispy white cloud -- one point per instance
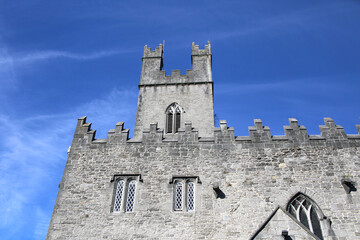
(7, 70)
(12, 65)
(24, 58)
(32, 158)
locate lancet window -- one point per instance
(306, 212)
(184, 194)
(173, 118)
(125, 189)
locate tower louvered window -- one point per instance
(173, 118)
(306, 212)
(184, 195)
(124, 199)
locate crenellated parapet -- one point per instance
(195, 50)
(296, 133)
(83, 133)
(157, 53)
(259, 135)
(119, 134)
(224, 134)
(330, 131)
(152, 74)
(153, 134)
(188, 134)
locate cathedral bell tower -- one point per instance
(173, 100)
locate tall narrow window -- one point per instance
(169, 121)
(190, 196)
(178, 201)
(306, 212)
(177, 121)
(124, 199)
(173, 118)
(118, 195)
(184, 193)
(130, 196)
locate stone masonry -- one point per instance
(243, 184)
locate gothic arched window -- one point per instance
(173, 118)
(306, 212)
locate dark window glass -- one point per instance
(316, 224)
(177, 122)
(305, 211)
(169, 122)
(303, 218)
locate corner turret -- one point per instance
(202, 63)
(152, 63)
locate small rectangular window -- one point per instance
(125, 192)
(184, 193)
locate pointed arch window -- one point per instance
(173, 118)
(306, 212)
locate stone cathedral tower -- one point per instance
(180, 177)
(190, 96)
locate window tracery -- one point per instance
(173, 118)
(306, 212)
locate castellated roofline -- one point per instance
(152, 73)
(158, 52)
(196, 51)
(259, 135)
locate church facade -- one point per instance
(180, 177)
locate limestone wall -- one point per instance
(257, 174)
(195, 99)
(193, 91)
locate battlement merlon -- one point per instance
(201, 60)
(196, 51)
(295, 135)
(157, 53)
(152, 64)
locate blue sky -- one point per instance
(60, 60)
